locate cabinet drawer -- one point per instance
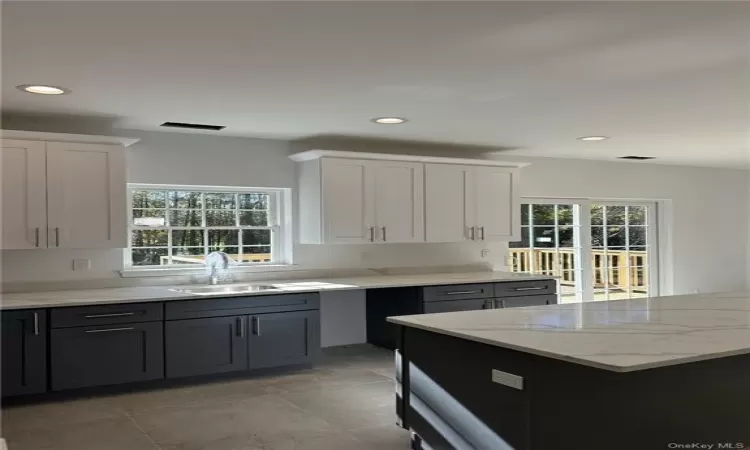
(104, 355)
(457, 305)
(526, 300)
(521, 288)
(457, 292)
(80, 316)
(237, 306)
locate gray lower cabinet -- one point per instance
(106, 354)
(205, 346)
(24, 352)
(457, 305)
(284, 339)
(529, 300)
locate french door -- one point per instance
(599, 249)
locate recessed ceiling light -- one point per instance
(389, 120)
(593, 138)
(43, 89)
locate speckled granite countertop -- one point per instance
(617, 335)
(48, 299)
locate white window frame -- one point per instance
(279, 219)
(657, 248)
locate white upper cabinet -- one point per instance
(63, 194)
(398, 190)
(24, 195)
(476, 203)
(348, 197)
(86, 195)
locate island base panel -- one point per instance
(447, 396)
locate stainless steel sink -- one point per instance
(227, 289)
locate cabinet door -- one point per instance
(205, 346)
(24, 194)
(24, 357)
(108, 354)
(449, 203)
(399, 201)
(498, 214)
(457, 305)
(86, 195)
(529, 300)
(347, 201)
(284, 339)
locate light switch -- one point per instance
(81, 264)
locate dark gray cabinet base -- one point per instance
(284, 339)
(104, 355)
(24, 352)
(205, 346)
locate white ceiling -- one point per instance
(666, 79)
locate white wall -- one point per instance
(710, 206)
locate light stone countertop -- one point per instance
(618, 335)
(48, 299)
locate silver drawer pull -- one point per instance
(478, 291)
(107, 330)
(530, 289)
(97, 316)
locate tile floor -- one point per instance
(345, 402)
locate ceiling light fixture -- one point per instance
(43, 89)
(593, 138)
(389, 120)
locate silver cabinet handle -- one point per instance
(36, 322)
(57, 236)
(107, 330)
(98, 316)
(499, 303)
(240, 327)
(482, 230)
(384, 238)
(372, 234)
(478, 291)
(256, 325)
(471, 233)
(529, 289)
(36, 236)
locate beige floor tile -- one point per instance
(108, 434)
(350, 407)
(70, 412)
(322, 379)
(387, 437)
(268, 418)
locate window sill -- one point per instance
(133, 272)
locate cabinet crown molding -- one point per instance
(65, 137)
(311, 155)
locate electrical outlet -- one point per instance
(485, 253)
(81, 264)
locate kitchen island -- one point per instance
(650, 373)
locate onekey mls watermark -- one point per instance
(707, 445)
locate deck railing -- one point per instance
(619, 269)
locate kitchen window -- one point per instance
(173, 226)
(599, 249)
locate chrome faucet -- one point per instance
(216, 264)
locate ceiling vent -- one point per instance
(193, 126)
(637, 158)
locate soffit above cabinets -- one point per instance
(64, 137)
(311, 155)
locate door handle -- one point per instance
(529, 289)
(478, 291)
(57, 236)
(98, 316)
(256, 325)
(384, 238)
(36, 236)
(36, 322)
(471, 233)
(240, 327)
(107, 330)
(372, 234)
(482, 230)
